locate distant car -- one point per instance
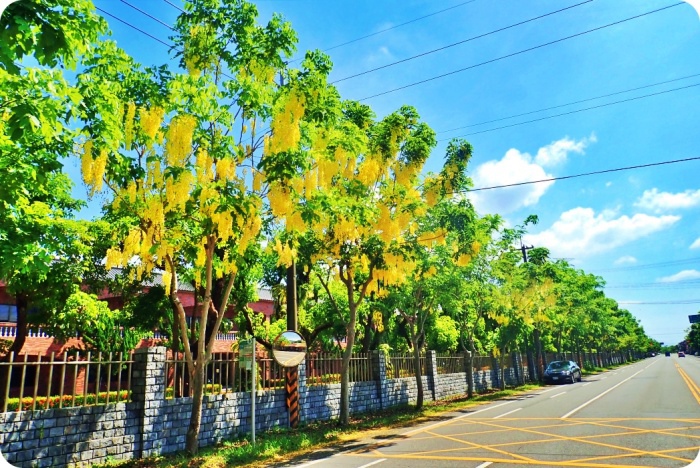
(562, 371)
(681, 354)
(668, 353)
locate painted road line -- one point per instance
(545, 391)
(484, 465)
(604, 393)
(558, 394)
(442, 423)
(586, 384)
(694, 388)
(373, 463)
(506, 414)
(312, 462)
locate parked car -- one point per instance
(562, 371)
(681, 354)
(668, 353)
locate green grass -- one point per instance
(278, 445)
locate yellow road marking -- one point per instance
(694, 388)
(485, 447)
(627, 455)
(502, 426)
(505, 460)
(585, 441)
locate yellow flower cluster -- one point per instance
(345, 230)
(369, 171)
(225, 169)
(178, 140)
(295, 222)
(150, 120)
(177, 191)
(327, 170)
(463, 260)
(286, 254)
(262, 72)
(286, 133)
(93, 169)
(280, 200)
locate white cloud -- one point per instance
(517, 167)
(696, 244)
(580, 232)
(555, 153)
(680, 276)
(659, 202)
(625, 260)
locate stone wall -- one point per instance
(153, 425)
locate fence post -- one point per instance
(432, 372)
(379, 373)
(301, 373)
(148, 389)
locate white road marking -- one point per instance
(484, 465)
(506, 414)
(604, 393)
(602, 378)
(373, 463)
(558, 394)
(442, 423)
(586, 384)
(545, 391)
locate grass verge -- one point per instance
(278, 445)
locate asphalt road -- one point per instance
(645, 414)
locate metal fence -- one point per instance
(403, 365)
(29, 383)
(450, 363)
(224, 373)
(73, 379)
(325, 368)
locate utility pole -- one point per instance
(537, 342)
(524, 249)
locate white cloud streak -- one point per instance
(516, 167)
(581, 232)
(625, 260)
(661, 202)
(680, 276)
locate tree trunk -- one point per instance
(345, 369)
(538, 352)
(470, 372)
(419, 376)
(192, 440)
(22, 326)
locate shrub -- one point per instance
(13, 404)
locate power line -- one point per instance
(571, 103)
(689, 301)
(147, 14)
(575, 111)
(391, 27)
(653, 265)
(605, 171)
(427, 80)
(149, 35)
(133, 27)
(459, 42)
(173, 5)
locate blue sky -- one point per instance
(640, 228)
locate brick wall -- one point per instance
(152, 425)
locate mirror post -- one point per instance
(292, 297)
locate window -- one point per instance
(8, 313)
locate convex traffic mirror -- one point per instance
(289, 349)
